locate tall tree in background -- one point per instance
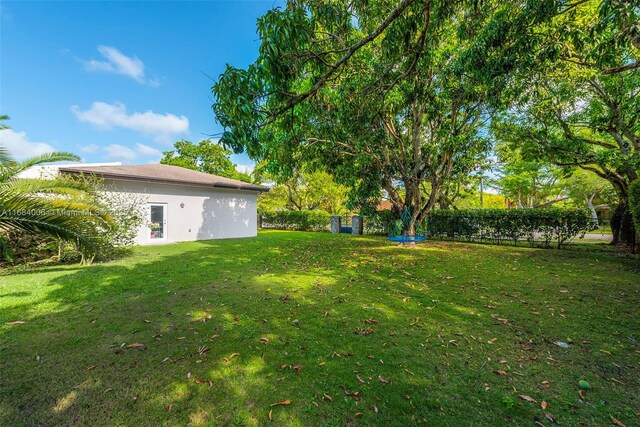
(306, 190)
(206, 156)
(367, 90)
(576, 88)
(584, 187)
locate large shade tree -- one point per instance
(575, 87)
(367, 90)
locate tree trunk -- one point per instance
(594, 214)
(624, 232)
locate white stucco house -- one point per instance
(181, 204)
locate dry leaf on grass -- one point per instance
(282, 402)
(264, 340)
(527, 398)
(327, 397)
(616, 422)
(501, 372)
(16, 322)
(135, 345)
(544, 405)
(383, 380)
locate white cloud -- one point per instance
(91, 148)
(119, 152)
(124, 153)
(118, 63)
(161, 127)
(145, 150)
(19, 146)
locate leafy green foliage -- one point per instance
(315, 220)
(207, 156)
(573, 98)
(634, 202)
(499, 225)
(305, 191)
(61, 207)
(365, 91)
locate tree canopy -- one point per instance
(366, 91)
(206, 156)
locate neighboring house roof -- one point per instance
(163, 174)
(384, 205)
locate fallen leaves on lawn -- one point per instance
(16, 322)
(228, 359)
(527, 398)
(297, 368)
(90, 367)
(383, 380)
(264, 340)
(501, 372)
(545, 384)
(616, 422)
(544, 405)
(170, 407)
(370, 321)
(492, 340)
(327, 397)
(360, 331)
(270, 414)
(375, 409)
(281, 402)
(135, 345)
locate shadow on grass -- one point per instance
(212, 333)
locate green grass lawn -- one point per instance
(350, 331)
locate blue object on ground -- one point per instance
(407, 239)
(405, 223)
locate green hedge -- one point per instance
(316, 220)
(381, 222)
(634, 202)
(510, 225)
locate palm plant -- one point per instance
(61, 207)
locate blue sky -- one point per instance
(117, 81)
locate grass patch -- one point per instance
(350, 330)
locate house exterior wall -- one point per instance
(214, 213)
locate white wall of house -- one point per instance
(208, 213)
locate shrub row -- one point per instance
(316, 220)
(499, 225)
(381, 222)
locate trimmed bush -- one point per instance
(381, 222)
(510, 225)
(316, 220)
